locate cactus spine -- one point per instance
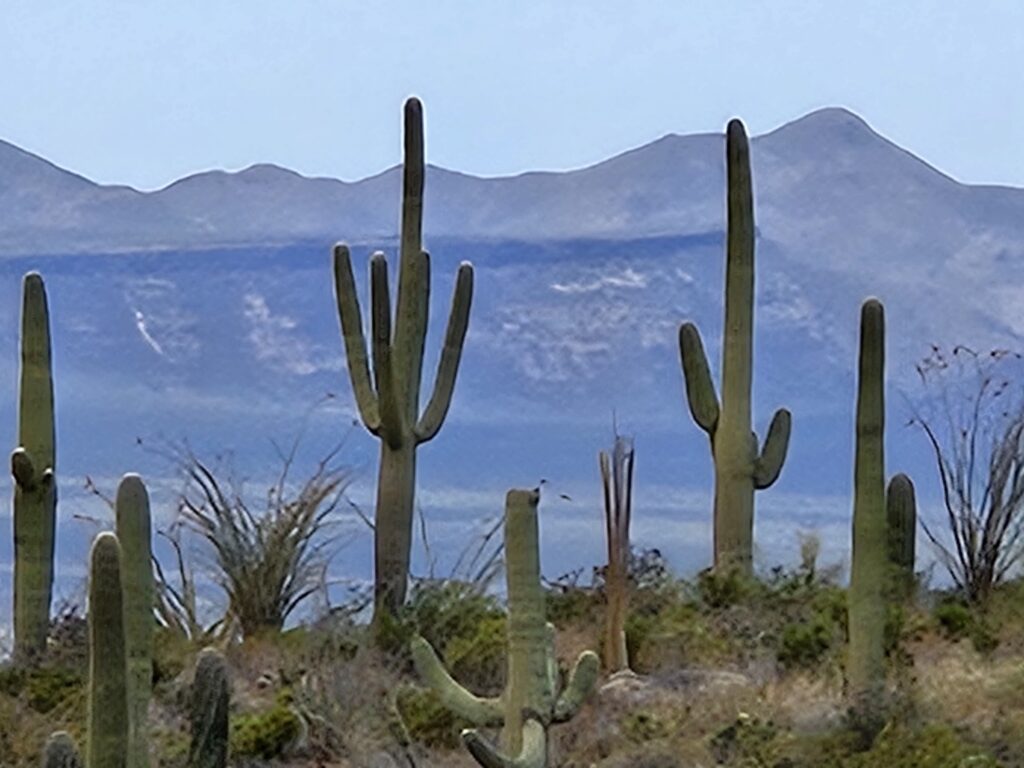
(530, 702)
(617, 483)
(901, 511)
(61, 752)
(35, 490)
(740, 467)
(211, 698)
(108, 697)
(134, 535)
(389, 404)
(869, 576)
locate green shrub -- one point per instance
(933, 746)
(46, 688)
(427, 720)
(265, 734)
(953, 617)
(572, 604)
(725, 587)
(479, 660)
(643, 726)
(803, 644)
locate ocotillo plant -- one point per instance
(740, 467)
(389, 404)
(211, 699)
(901, 511)
(108, 689)
(531, 701)
(617, 484)
(134, 533)
(870, 571)
(61, 752)
(35, 489)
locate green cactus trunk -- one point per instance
(61, 752)
(529, 704)
(35, 489)
(108, 689)
(869, 576)
(134, 534)
(211, 699)
(389, 403)
(740, 467)
(901, 511)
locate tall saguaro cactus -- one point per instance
(740, 467)
(211, 698)
(108, 690)
(389, 404)
(530, 702)
(35, 489)
(134, 533)
(617, 484)
(870, 570)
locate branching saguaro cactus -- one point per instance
(901, 511)
(389, 403)
(134, 534)
(617, 484)
(35, 489)
(530, 702)
(108, 690)
(211, 699)
(870, 571)
(740, 467)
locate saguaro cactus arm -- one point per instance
(700, 390)
(532, 755)
(391, 418)
(581, 682)
(768, 464)
(355, 343)
(451, 353)
(481, 711)
(901, 510)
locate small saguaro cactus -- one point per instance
(134, 534)
(389, 404)
(870, 572)
(108, 689)
(530, 702)
(901, 511)
(211, 699)
(617, 484)
(61, 752)
(35, 489)
(740, 467)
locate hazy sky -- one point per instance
(145, 91)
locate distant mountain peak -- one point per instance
(831, 121)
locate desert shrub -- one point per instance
(803, 644)
(48, 687)
(427, 720)
(265, 734)
(953, 618)
(724, 587)
(571, 605)
(464, 625)
(676, 635)
(748, 741)
(643, 726)
(933, 746)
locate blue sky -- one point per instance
(143, 92)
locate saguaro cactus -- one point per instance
(108, 690)
(61, 752)
(211, 699)
(530, 702)
(134, 534)
(389, 404)
(35, 489)
(740, 466)
(901, 512)
(617, 483)
(870, 572)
